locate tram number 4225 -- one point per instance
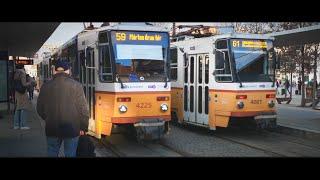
(143, 105)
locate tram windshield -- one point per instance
(253, 60)
(140, 56)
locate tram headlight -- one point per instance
(123, 109)
(240, 105)
(164, 107)
(271, 103)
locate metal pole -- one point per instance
(314, 88)
(303, 90)
(8, 89)
(173, 29)
(291, 84)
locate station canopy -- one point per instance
(300, 36)
(24, 38)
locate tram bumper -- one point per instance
(266, 121)
(150, 129)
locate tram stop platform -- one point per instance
(297, 120)
(22, 143)
(292, 119)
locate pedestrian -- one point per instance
(287, 85)
(277, 84)
(63, 107)
(23, 105)
(299, 86)
(31, 87)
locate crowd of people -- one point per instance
(295, 85)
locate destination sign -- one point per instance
(24, 62)
(236, 43)
(139, 37)
(122, 36)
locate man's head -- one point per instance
(62, 66)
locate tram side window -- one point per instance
(82, 66)
(174, 63)
(105, 64)
(103, 38)
(222, 44)
(222, 66)
(72, 53)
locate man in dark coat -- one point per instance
(63, 106)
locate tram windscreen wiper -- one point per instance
(166, 82)
(243, 62)
(237, 72)
(119, 79)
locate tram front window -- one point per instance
(140, 60)
(253, 60)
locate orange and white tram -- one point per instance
(124, 71)
(223, 79)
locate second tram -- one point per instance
(222, 80)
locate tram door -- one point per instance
(196, 89)
(87, 79)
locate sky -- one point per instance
(66, 31)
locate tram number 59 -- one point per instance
(120, 36)
(143, 105)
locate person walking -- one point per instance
(277, 84)
(299, 86)
(63, 107)
(287, 85)
(23, 105)
(31, 87)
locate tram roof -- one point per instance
(121, 26)
(230, 35)
(300, 36)
(134, 27)
(244, 36)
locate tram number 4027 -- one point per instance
(256, 101)
(143, 105)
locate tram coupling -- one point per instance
(267, 121)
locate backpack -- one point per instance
(19, 87)
(86, 147)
